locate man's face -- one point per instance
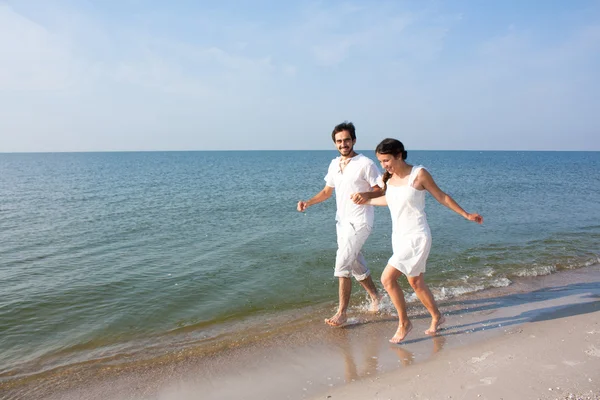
(344, 143)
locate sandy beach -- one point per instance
(547, 351)
(536, 339)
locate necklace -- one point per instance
(343, 163)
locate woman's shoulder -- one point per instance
(416, 169)
(417, 172)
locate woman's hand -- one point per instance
(475, 218)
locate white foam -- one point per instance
(501, 282)
(537, 271)
(444, 293)
(592, 262)
(411, 298)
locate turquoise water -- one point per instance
(110, 254)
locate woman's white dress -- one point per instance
(411, 237)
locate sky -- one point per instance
(145, 75)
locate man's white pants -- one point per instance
(349, 260)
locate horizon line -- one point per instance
(271, 150)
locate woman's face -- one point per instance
(388, 162)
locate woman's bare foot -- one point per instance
(339, 319)
(403, 330)
(435, 325)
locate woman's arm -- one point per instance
(426, 180)
(377, 201)
(362, 198)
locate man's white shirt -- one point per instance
(359, 175)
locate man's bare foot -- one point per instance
(403, 330)
(375, 301)
(339, 319)
(435, 325)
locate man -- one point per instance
(354, 178)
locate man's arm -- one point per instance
(318, 198)
(370, 174)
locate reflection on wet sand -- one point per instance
(438, 343)
(370, 344)
(361, 351)
(407, 357)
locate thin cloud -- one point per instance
(32, 58)
(163, 77)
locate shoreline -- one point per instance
(202, 339)
(318, 361)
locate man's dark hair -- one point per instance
(344, 126)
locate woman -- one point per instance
(405, 187)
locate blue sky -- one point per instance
(80, 75)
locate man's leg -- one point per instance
(350, 261)
(371, 289)
(360, 271)
(345, 289)
(344, 259)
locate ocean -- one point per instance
(106, 257)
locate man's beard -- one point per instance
(346, 152)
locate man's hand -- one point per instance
(301, 206)
(358, 198)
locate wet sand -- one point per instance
(538, 338)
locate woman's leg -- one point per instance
(389, 279)
(424, 294)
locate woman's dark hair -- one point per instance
(393, 147)
(344, 126)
